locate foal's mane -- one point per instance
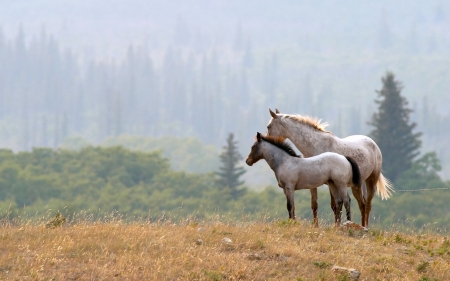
(279, 142)
(313, 122)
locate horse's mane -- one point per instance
(279, 142)
(314, 122)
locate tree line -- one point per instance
(49, 93)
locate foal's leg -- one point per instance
(289, 193)
(347, 204)
(343, 192)
(337, 202)
(314, 206)
(332, 200)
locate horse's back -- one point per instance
(331, 161)
(331, 157)
(361, 142)
(340, 169)
(360, 139)
(363, 150)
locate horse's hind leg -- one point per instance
(371, 188)
(357, 192)
(314, 206)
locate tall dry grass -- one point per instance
(191, 250)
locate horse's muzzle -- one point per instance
(249, 161)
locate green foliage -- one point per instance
(43, 174)
(393, 131)
(229, 173)
(422, 267)
(213, 275)
(322, 264)
(288, 223)
(105, 180)
(57, 221)
(414, 209)
(426, 278)
(343, 277)
(137, 184)
(423, 174)
(185, 154)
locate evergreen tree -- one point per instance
(393, 130)
(229, 173)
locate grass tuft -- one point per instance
(57, 221)
(322, 264)
(422, 267)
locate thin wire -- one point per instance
(425, 189)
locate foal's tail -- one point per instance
(356, 178)
(385, 187)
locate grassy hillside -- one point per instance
(191, 250)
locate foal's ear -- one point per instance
(273, 114)
(258, 136)
(276, 111)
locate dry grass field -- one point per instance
(189, 250)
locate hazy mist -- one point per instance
(95, 69)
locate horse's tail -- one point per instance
(356, 178)
(385, 187)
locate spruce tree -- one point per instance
(393, 130)
(229, 173)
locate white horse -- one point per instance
(310, 137)
(294, 173)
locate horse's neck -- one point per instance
(274, 156)
(309, 141)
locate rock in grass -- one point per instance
(254, 256)
(227, 241)
(199, 242)
(352, 273)
(354, 226)
(227, 244)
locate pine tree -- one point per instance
(229, 173)
(393, 130)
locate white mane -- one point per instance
(314, 122)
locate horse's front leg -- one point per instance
(314, 206)
(289, 193)
(332, 200)
(338, 213)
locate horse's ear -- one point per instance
(276, 111)
(274, 116)
(258, 136)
